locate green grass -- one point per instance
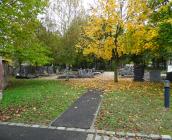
(139, 110)
(36, 101)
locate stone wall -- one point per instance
(1, 77)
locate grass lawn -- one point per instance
(36, 101)
(136, 108)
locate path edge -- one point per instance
(98, 110)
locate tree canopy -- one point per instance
(18, 24)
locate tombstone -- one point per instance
(50, 70)
(67, 73)
(169, 73)
(126, 71)
(139, 73)
(57, 71)
(85, 73)
(80, 72)
(155, 76)
(147, 76)
(1, 78)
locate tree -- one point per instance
(18, 39)
(53, 42)
(69, 40)
(60, 14)
(161, 19)
(139, 41)
(15, 15)
(68, 18)
(107, 23)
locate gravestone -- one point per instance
(139, 73)
(50, 70)
(147, 76)
(85, 73)
(1, 78)
(155, 76)
(126, 71)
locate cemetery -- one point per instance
(85, 70)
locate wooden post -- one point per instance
(1, 78)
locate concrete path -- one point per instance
(19, 131)
(29, 133)
(82, 113)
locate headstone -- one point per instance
(169, 69)
(67, 73)
(50, 70)
(155, 76)
(169, 76)
(86, 73)
(147, 76)
(139, 73)
(57, 71)
(126, 71)
(82, 73)
(1, 78)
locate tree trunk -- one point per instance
(116, 74)
(116, 71)
(67, 72)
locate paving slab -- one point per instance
(82, 113)
(27, 133)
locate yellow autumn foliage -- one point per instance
(118, 26)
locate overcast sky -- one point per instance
(53, 15)
(86, 3)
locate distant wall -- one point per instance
(1, 76)
(7, 73)
(26, 70)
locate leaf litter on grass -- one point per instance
(130, 106)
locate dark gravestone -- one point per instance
(139, 73)
(169, 76)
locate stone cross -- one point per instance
(1, 77)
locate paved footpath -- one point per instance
(82, 113)
(29, 133)
(18, 131)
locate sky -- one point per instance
(54, 17)
(86, 3)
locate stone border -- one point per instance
(97, 112)
(94, 131)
